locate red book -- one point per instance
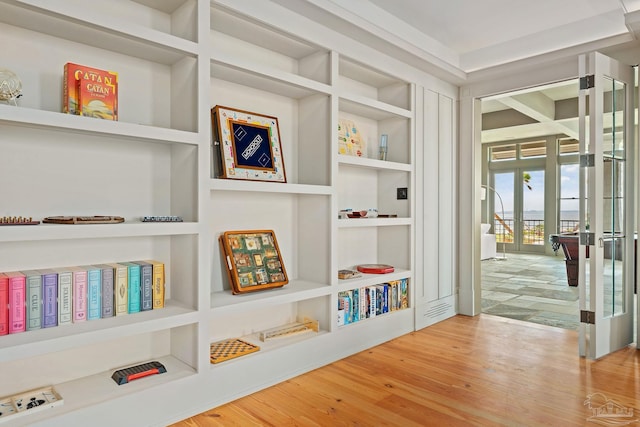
(17, 308)
(4, 304)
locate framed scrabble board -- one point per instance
(253, 260)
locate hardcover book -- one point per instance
(49, 298)
(90, 92)
(146, 285)
(4, 303)
(107, 290)
(158, 283)
(79, 277)
(65, 296)
(94, 292)
(34, 299)
(121, 288)
(17, 295)
(133, 280)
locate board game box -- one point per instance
(253, 260)
(90, 92)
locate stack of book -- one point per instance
(371, 301)
(90, 92)
(36, 299)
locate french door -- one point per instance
(606, 262)
(520, 225)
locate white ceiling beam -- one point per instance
(540, 108)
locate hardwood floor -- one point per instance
(465, 371)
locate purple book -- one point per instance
(49, 298)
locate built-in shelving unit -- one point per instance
(176, 59)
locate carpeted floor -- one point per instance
(532, 288)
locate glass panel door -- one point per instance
(606, 236)
(531, 221)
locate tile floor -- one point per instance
(532, 288)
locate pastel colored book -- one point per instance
(65, 296)
(90, 92)
(133, 280)
(94, 292)
(4, 304)
(49, 298)
(146, 285)
(121, 288)
(17, 297)
(79, 277)
(107, 290)
(158, 283)
(34, 299)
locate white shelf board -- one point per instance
(364, 162)
(267, 79)
(398, 315)
(373, 222)
(224, 302)
(372, 279)
(100, 388)
(371, 108)
(43, 341)
(84, 25)
(286, 344)
(71, 123)
(14, 233)
(220, 184)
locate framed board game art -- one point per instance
(253, 260)
(248, 145)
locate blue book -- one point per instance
(107, 290)
(133, 280)
(34, 299)
(94, 292)
(49, 298)
(146, 285)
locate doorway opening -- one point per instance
(530, 156)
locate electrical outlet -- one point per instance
(402, 193)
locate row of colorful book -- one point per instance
(371, 301)
(35, 299)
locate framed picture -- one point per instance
(248, 145)
(253, 260)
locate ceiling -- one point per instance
(472, 35)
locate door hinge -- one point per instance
(587, 82)
(587, 317)
(587, 160)
(587, 239)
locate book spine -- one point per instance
(146, 278)
(65, 301)
(372, 301)
(363, 303)
(49, 300)
(79, 295)
(158, 284)
(34, 300)
(355, 301)
(4, 304)
(107, 292)
(94, 293)
(133, 279)
(17, 315)
(121, 287)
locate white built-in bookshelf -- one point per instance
(176, 59)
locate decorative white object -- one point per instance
(10, 86)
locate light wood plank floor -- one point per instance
(465, 371)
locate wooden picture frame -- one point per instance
(253, 260)
(248, 145)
